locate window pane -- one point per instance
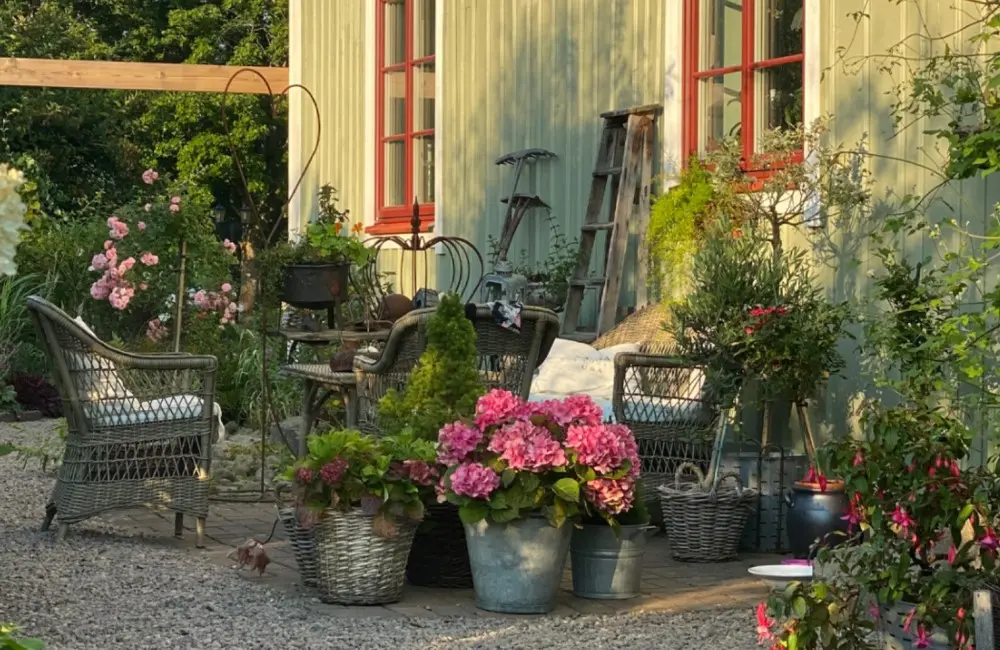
(780, 31)
(721, 33)
(423, 96)
(423, 168)
(423, 28)
(394, 173)
(721, 108)
(395, 103)
(394, 18)
(780, 100)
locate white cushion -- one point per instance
(130, 412)
(98, 377)
(572, 368)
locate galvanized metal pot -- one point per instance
(892, 626)
(517, 566)
(607, 566)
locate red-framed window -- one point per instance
(404, 106)
(743, 71)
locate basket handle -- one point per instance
(723, 477)
(693, 469)
(281, 487)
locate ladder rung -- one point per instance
(610, 171)
(593, 227)
(589, 282)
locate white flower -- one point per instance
(12, 211)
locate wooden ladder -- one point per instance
(625, 160)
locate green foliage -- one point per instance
(385, 476)
(557, 266)
(445, 384)
(678, 220)
(753, 316)
(10, 642)
(330, 238)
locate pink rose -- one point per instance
(226, 287)
(149, 176)
(149, 259)
(174, 207)
(229, 246)
(175, 200)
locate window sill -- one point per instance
(399, 227)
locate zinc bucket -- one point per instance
(607, 566)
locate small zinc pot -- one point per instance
(607, 566)
(815, 515)
(315, 286)
(517, 566)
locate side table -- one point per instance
(316, 377)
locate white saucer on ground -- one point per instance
(777, 576)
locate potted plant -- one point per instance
(362, 498)
(606, 554)
(443, 388)
(520, 473)
(316, 270)
(816, 508)
(548, 279)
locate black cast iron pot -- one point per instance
(315, 286)
(815, 515)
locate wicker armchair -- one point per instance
(140, 427)
(508, 359)
(661, 397)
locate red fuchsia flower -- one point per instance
(474, 480)
(333, 471)
(456, 441)
(610, 496)
(149, 259)
(525, 446)
(150, 176)
(989, 541)
(304, 475)
(909, 619)
(859, 458)
(764, 624)
(952, 555)
(902, 519)
(229, 246)
(855, 512)
(923, 639)
(874, 611)
(495, 407)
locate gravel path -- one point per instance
(102, 588)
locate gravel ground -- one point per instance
(102, 588)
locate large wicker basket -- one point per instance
(356, 567)
(704, 520)
(302, 543)
(440, 557)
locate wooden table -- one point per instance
(327, 337)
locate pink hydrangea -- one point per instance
(456, 441)
(610, 496)
(495, 407)
(149, 176)
(576, 409)
(474, 480)
(525, 446)
(229, 246)
(149, 259)
(117, 229)
(333, 471)
(304, 475)
(599, 447)
(420, 472)
(629, 447)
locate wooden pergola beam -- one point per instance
(117, 75)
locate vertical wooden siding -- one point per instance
(537, 73)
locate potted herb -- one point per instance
(606, 554)
(316, 270)
(362, 497)
(443, 388)
(548, 279)
(520, 473)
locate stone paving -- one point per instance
(667, 586)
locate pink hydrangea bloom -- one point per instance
(577, 409)
(610, 496)
(474, 480)
(495, 407)
(525, 446)
(456, 441)
(149, 176)
(304, 475)
(175, 207)
(149, 259)
(229, 246)
(599, 447)
(419, 472)
(333, 471)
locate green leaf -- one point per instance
(505, 515)
(498, 500)
(799, 607)
(793, 641)
(964, 514)
(508, 477)
(567, 489)
(529, 481)
(473, 512)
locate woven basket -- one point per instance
(356, 567)
(303, 545)
(703, 521)
(440, 557)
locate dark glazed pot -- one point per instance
(315, 286)
(814, 515)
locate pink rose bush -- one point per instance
(385, 477)
(515, 458)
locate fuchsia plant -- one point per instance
(555, 457)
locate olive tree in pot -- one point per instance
(521, 473)
(316, 270)
(606, 554)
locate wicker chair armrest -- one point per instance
(165, 361)
(390, 352)
(625, 360)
